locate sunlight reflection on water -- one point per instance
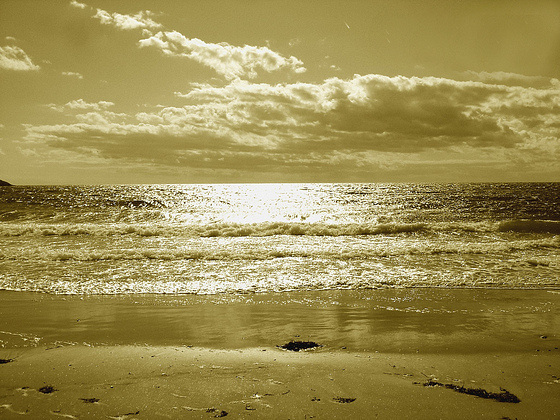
(278, 237)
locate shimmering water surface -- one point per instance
(208, 239)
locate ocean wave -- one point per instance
(209, 230)
(211, 283)
(135, 204)
(255, 253)
(530, 226)
(270, 228)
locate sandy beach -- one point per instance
(281, 210)
(154, 357)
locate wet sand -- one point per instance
(203, 357)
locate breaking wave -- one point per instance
(266, 253)
(271, 228)
(530, 226)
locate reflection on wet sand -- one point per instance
(403, 320)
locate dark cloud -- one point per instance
(367, 120)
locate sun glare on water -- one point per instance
(260, 203)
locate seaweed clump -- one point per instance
(502, 396)
(343, 400)
(47, 389)
(218, 413)
(4, 361)
(299, 345)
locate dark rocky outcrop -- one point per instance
(4, 183)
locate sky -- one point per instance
(220, 91)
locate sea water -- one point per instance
(239, 238)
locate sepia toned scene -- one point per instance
(279, 210)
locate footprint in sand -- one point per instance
(66, 416)
(124, 416)
(90, 400)
(8, 407)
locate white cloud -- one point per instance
(141, 20)
(510, 79)
(80, 104)
(228, 60)
(99, 118)
(14, 58)
(72, 74)
(294, 41)
(77, 4)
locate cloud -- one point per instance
(141, 20)
(78, 5)
(510, 79)
(72, 74)
(367, 112)
(227, 60)
(14, 58)
(80, 104)
(356, 125)
(294, 41)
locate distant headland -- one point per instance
(4, 183)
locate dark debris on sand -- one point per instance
(90, 400)
(218, 413)
(343, 400)
(502, 396)
(47, 389)
(300, 345)
(4, 361)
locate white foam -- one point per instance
(240, 249)
(268, 228)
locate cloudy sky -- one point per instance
(181, 91)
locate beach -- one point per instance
(188, 356)
(415, 301)
(280, 210)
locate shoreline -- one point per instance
(384, 320)
(151, 357)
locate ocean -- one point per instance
(244, 238)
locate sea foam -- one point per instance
(270, 228)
